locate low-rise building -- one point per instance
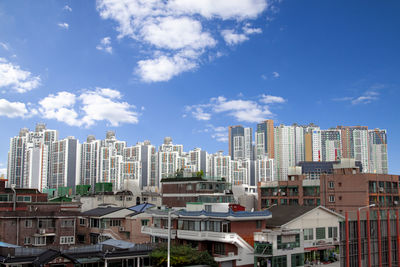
(296, 235)
(177, 191)
(103, 223)
(226, 234)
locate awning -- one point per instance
(319, 248)
(89, 260)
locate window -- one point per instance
(331, 198)
(279, 261)
(320, 233)
(219, 248)
(308, 234)
(94, 223)
(27, 240)
(40, 241)
(114, 223)
(332, 232)
(189, 187)
(67, 223)
(297, 260)
(207, 208)
(81, 239)
(4, 198)
(258, 224)
(331, 184)
(82, 221)
(24, 198)
(46, 223)
(145, 222)
(67, 240)
(28, 223)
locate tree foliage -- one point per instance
(181, 256)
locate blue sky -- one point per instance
(188, 68)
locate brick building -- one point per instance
(24, 196)
(177, 191)
(226, 234)
(103, 223)
(40, 224)
(344, 189)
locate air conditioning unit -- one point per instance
(275, 193)
(395, 202)
(231, 254)
(283, 194)
(121, 229)
(42, 231)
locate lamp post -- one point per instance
(359, 235)
(169, 239)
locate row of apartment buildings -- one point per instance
(39, 159)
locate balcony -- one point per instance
(159, 232)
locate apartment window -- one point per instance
(332, 232)
(207, 208)
(82, 221)
(24, 199)
(145, 222)
(4, 198)
(308, 234)
(67, 223)
(40, 241)
(28, 223)
(27, 240)
(331, 184)
(94, 223)
(189, 187)
(320, 233)
(258, 224)
(219, 248)
(279, 261)
(64, 240)
(114, 223)
(46, 223)
(331, 198)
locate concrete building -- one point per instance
(240, 142)
(371, 238)
(285, 150)
(177, 191)
(296, 235)
(103, 223)
(226, 234)
(378, 151)
(64, 163)
(264, 139)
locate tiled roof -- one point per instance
(285, 213)
(230, 213)
(101, 211)
(141, 207)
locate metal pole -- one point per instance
(369, 239)
(359, 237)
(347, 240)
(389, 235)
(379, 239)
(169, 239)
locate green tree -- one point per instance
(181, 256)
(200, 173)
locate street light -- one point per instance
(359, 234)
(169, 238)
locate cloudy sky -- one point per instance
(188, 68)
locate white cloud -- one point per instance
(3, 171)
(276, 74)
(12, 109)
(270, 99)
(241, 109)
(89, 107)
(105, 45)
(4, 46)
(248, 30)
(67, 8)
(224, 9)
(11, 76)
(163, 68)
(97, 107)
(174, 32)
(232, 38)
(218, 133)
(369, 96)
(63, 25)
